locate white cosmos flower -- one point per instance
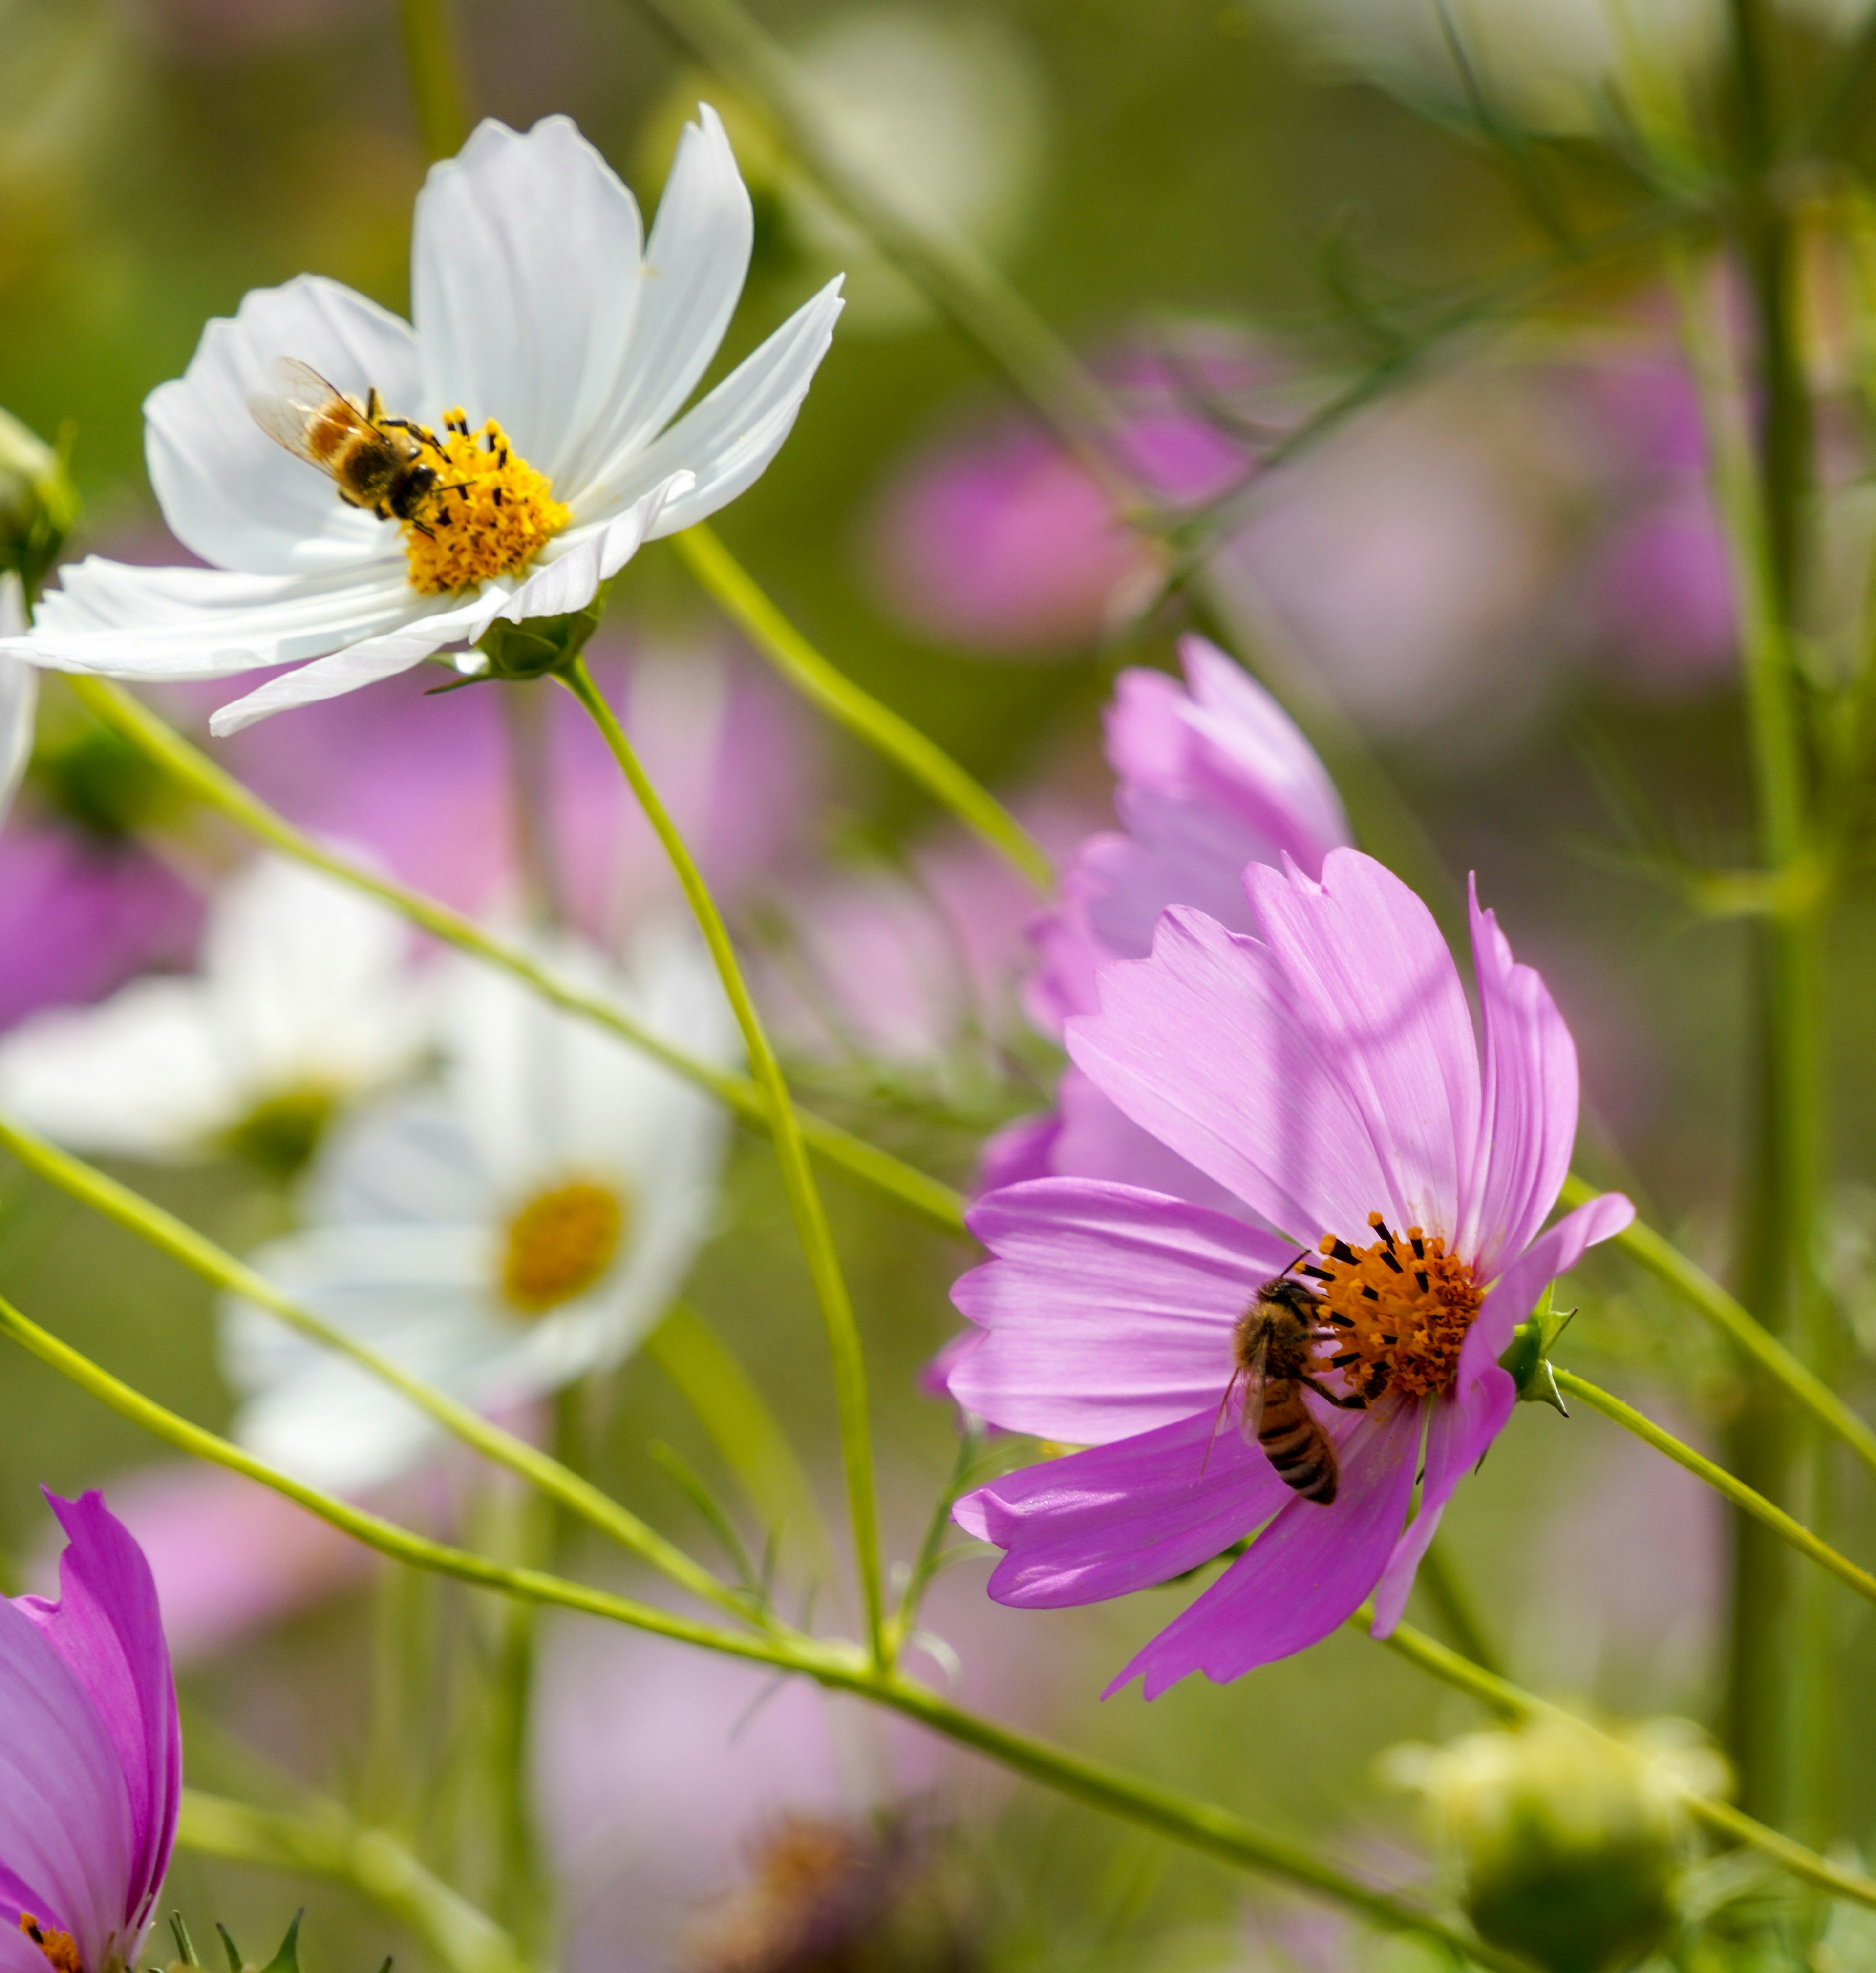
(537, 305)
(506, 1235)
(305, 1000)
(19, 694)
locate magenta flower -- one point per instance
(1326, 1074)
(90, 1756)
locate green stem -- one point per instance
(531, 785)
(1452, 1597)
(1728, 1315)
(862, 715)
(1215, 1832)
(433, 51)
(938, 1204)
(1792, 1532)
(322, 1838)
(1763, 499)
(202, 1256)
(804, 1199)
(1509, 1702)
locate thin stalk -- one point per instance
(963, 287)
(804, 1199)
(198, 1253)
(524, 1533)
(1452, 1598)
(322, 1838)
(862, 715)
(939, 1204)
(1509, 1702)
(433, 51)
(1763, 492)
(1789, 1530)
(843, 1667)
(1728, 1315)
(530, 787)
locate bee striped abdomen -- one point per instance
(1296, 1445)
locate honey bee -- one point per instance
(1272, 1349)
(376, 461)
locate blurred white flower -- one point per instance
(944, 113)
(305, 1000)
(1546, 60)
(19, 694)
(537, 302)
(521, 1227)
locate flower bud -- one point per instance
(1565, 1843)
(38, 503)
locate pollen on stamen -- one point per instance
(1406, 1326)
(489, 514)
(59, 1947)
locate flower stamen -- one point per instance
(1399, 1310)
(59, 1947)
(560, 1243)
(489, 514)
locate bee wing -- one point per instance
(1251, 1416)
(304, 400)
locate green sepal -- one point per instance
(1528, 1356)
(236, 1962)
(540, 645)
(287, 1959)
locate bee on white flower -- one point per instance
(527, 416)
(19, 694)
(507, 1233)
(305, 1001)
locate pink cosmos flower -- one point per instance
(1326, 1074)
(90, 1756)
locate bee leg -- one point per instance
(349, 501)
(1355, 1401)
(372, 407)
(423, 530)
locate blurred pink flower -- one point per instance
(80, 914)
(998, 540)
(426, 781)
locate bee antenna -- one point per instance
(1303, 1256)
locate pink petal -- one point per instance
(1096, 1141)
(1305, 1575)
(67, 1835)
(1527, 1124)
(1107, 1311)
(107, 1628)
(1024, 1149)
(1119, 1518)
(1325, 1074)
(1515, 1292)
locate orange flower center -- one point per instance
(560, 1243)
(1399, 1308)
(489, 514)
(59, 1947)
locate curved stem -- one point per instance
(1730, 1317)
(323, 1838)
(804, 1200)
(1216, 1832)
(200, 1254)
(940, 1205)
(1510, 1703)
(1746, 1499)
(862, 715)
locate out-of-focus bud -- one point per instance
(1565, 1843)
(38, 503)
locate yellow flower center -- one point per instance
(560, 1243)
(59, 1947)
(488, 515)
(1399, 1310)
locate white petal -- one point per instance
(207, 622)
(309, 981)
(404, 1161)
(570, 569)
(695, 266)
(144, 1073)
(229, 491)
(364, 662)
(19, 694)
(525, 273)
(729, 439)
